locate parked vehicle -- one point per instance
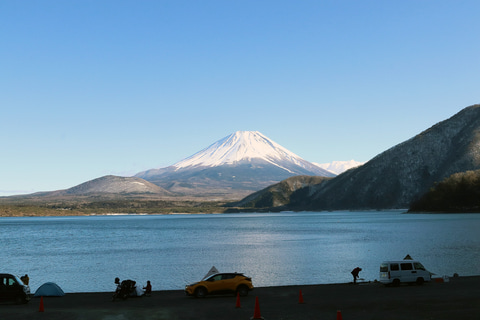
(220, 283)
(124, 289)
(13, 289)
(403, 271)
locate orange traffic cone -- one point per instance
(339, 315)
(237, 305)
(256, 313)
(300, 298)
(41, 308)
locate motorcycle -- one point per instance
(124, 289)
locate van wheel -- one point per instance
(420, 281)
(396, 282)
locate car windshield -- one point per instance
(18, 280)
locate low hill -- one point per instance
(278, 195)
(116, 184)
(106, 185)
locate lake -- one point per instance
(85, 254)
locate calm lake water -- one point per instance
(85, 254)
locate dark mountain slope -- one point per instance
(403, 173)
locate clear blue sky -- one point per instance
(90, 88)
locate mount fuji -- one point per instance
(241, 163)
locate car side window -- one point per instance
(394, 267)
(228, 276)
(217, 278)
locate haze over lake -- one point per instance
(85, 254)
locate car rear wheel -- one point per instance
(242, 291)
(200, 292)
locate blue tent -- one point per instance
(49, 289)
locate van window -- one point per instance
(406, 266)
(384, 267)
(394, 267)
(418, 266)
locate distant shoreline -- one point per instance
(16, 207)
(402, 211)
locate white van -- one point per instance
(403, 271)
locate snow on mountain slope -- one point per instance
(239, 146)
(338, 167)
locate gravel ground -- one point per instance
(457, 299)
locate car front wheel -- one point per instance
(200, 292)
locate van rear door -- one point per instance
(384, 272)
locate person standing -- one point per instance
(355, 274)
(25, 279)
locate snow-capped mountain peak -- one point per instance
(241, 163)
(339, 167)
(239, 146)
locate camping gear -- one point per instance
(49, 289)
(125, 289)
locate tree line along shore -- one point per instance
(37, 208)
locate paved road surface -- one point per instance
(457, 299)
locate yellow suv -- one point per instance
(220, 283)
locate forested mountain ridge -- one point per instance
(403, 173)
(458, 193)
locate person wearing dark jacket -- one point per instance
(355, 274)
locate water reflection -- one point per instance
(274, 249)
